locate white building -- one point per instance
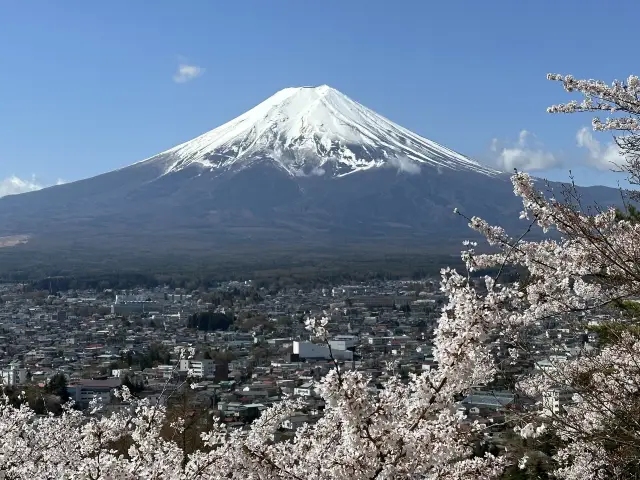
(319, 351)
(550, 364)
(166, 370)
(120, 299)
(555, 399)
(304, 390)
(205, 368)
(86, 390)
(343, 342)
(14, 375)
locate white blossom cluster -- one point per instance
(598, 96)
(406, 431)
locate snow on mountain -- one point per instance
(313, 131)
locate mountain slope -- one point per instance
(307, 168)
(305, 129)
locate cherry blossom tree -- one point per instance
(591, 265)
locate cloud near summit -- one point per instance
(15, 185)
(601, 156)
(405, 165)
(525, 154)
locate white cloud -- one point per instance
(404, 164)
(525, 159)
(14, 185)
(522, 138)
(187, 72)
(604, 157)
(522, 155)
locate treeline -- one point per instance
(209, 321)
(156, 354)
(43, 401)
(272, 281)
(304, 273)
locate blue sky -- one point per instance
(87, 87)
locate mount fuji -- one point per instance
(307, 168)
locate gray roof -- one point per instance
(488, 400)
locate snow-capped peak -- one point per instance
(312, 130)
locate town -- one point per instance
(251, 348)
